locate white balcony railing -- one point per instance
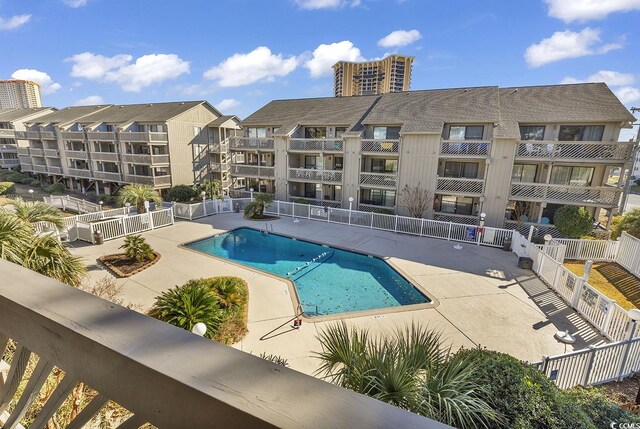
(7, 134)
(467, 148)
(104, 156)
(48, 135)
(251, 143)
(244, 170)
(33, 135)
(77, 154)
(54, 169)
(378, 180)
(379, 146)
(316, 145)
(158, 137)
(9, 163)
(72, 135)
(145, 159)
(461, 186)
(23, 151)
(315, 201)
(584, 195)
(308, 174)
(52, 153)
(101, 135)
(575, 151)
(140, 136)
(36, 152)
(79, 172)
(26, 166)
(375, 208)
(38, 168)
(107, 175)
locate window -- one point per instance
(108, 128)
(469, 132)
(581, 133)
(532, 132)
(310, 161)
(384, 165)
(453, 204)
(573, 176)
(315, 132)
(379, 197)
(524, 173)
(197, 131)
(312, 190)
(468, 170)
(158, 128)
(337, 165)
(258, 132)
(340, 131)
(383, 133)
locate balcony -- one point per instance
(104, 156)
(24, 151)
(165, 376)
(465, 149)
(312, 175)
(143, 137)
(564, 194)
(316, 145)
(39, 168)
(376, 146)
(9, 163)
(52, 153)
(148, 180)
(32, 135)
(79, 172)
(375, 208)
(101, 136)
(460, 186)
(77, 154)
(8, 148)
(36, 152)
(7, 134)
(244, 170)
(255, 143)
(54, 169)
(107, 175)
(72, 135)
(26, 166)
(589, 152)
(145, 159)
(378, 180)
(48, 135)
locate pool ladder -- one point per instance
(266, 228)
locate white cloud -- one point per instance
(325, 4)
(257, 65)
(627, 94)
(611, 78)
(227, 104)
(47, 85)
(13, 22)
(75, 3)
(399, 38)
(585, 10)
(131, 76)
(567, 44)
(325, 56)
(90, 101)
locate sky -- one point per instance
(241, 54)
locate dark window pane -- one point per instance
(452, 169)
(474, 132)
(569, 133)
(592, 133)
(532, 132)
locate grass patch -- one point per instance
(612, 280)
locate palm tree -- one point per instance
(255, 209)
(186, 305)
(212, 188)
(137, 195)
(34, 211)
(15, 236)
(410, 369)
(136, 248)
(229, 290)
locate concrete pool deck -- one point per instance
(484, 299)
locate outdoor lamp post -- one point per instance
(199, 329)
(101, 203)
(350, 206)
(482, 218)
(251, 192)
(31, 193)
(203, 195)
(128, 206)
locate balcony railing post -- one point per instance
(395, 228)
(449, 234)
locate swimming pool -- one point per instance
(327, 280)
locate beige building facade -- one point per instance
(19, 94)
(101, 148)
(514, 154)
(390, 74)
(12, 121)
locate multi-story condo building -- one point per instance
(390, 74)
(211, 156)
(19, 94)
(524, 151)
(101, 148)
(12, 120)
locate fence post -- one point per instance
(150, 219)
(580, 245)
(555, 278)
(395, 228)
(190, 212)
(449, 235)
(589, 366)
(278, 207)
(371, 226)
(124, 225)
(631, 329)
(421, 227)
(309, 211)
(575, 298)
(607, 319)
(173, 218)
(531, 228)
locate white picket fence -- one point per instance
(199, 210)
(594, 250)
(65, 202)
(124, 225)
(629, 253)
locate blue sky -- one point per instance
(240, 54)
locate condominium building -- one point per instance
(211, 156)
(19, 94)
(506, 152)
(12, 120)
(101, 148)
(390, 74)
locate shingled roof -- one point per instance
(68, 114)
(148, 112)
(10, 115)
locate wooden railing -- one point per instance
(570, 151)
(308, 174)
(33, 135)
(456, 218)
(54, 169)
(316, 145)
(72, 135)
(52, 153)
(251, 143)
(379, 146)
(104, 156)
(48, 135)
(78, 154)
(36, 151)
(462, 186)
(107, 175)
(465, 148)
(379, 180)
(7, 134)
(23, 151)
(79, 172)
(587, 195)
(252, 170)
(101, 135)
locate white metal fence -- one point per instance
(198, 210)
(124, 225)
(65, 202)
(595, 250)
(629, 253)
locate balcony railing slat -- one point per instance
(88, 412)
(460, 185)
(465, 148)
(316, 145)
(588, 151)
(588, 195)
(251, 143)
(380, 146)
(16, 371)
(59, 395)
(36, 380)
(384, 180)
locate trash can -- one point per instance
(236, 208)
(525, 263)
(98, 238)
(506, 246)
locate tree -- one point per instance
(184, 306)
(182, 193)
(630, 222)
(136, 248)
(255, 209)
(137, 195)
(521, 209)
(415, 200)
(573, 221)
(410, 369)
(35, 211)
(213, 188)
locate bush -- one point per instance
(630, 223)
(301, 201)
(111, 200)
(136, 248)
(12, 176)
(7, 188)
(27, 181)
(383, 211)
(56, 188)
(181, 194)
(600, 409)
(573, 221)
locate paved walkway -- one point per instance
(484, 299)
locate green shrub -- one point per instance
(383, 211)
(35, 182)
(26, 181)
(630, 223)
(137, 248)
(301, 201)
(107, 199)
(573, 221)
(13, 176)
(7, 188)
(56, 188)
(600, 409)
(181, 194)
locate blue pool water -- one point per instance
(328, 280)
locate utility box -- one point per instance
(506, 246)
(98, 238)
(525, 263)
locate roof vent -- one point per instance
(182, 102)
(465, 90)
(515, 90)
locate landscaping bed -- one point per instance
(123, 266)
(263, 218)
